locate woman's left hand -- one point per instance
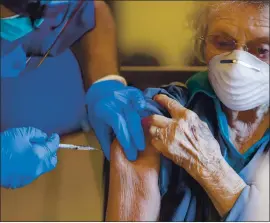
(188, 141)
(185, 139)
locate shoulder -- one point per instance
(197, 83)
(175, 90)
(184, 92)
(178, 91)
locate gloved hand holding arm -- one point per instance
(113, 108)
(26, 154)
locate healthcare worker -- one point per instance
(43, 94)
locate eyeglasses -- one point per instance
(221, 44)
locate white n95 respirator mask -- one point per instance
(240, 80)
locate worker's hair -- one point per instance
(35, 11)
(199, 19)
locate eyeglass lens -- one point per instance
(225, 44)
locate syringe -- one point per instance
(76, 147)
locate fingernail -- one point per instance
(155, 97)
(153, 130)
(158, 97)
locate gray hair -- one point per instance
(199, 20)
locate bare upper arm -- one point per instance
(148, 160)
(133, 188)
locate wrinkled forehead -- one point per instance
(240, 13)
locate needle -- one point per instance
(76, 147)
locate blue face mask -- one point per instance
(13, 28)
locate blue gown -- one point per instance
(183, 199)
(49, 97)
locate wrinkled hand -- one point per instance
(114, 108)
(26, 153)
(188, 141)
(185, 139)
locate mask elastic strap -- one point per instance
(63, 19)
(10, 17)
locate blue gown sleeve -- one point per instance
(247, 201)
(178, 93)
(75, 16)
(250, 200)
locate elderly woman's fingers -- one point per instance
(159, 146)
(179, 153)
(164, 132)
(166, 135)
(175, 109)
(156, 132)
(156, 120)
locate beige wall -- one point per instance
(158, 27)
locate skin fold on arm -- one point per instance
(133, 188)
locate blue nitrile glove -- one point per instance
(114, 107)
(26, 153)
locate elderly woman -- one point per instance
(212, 133)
